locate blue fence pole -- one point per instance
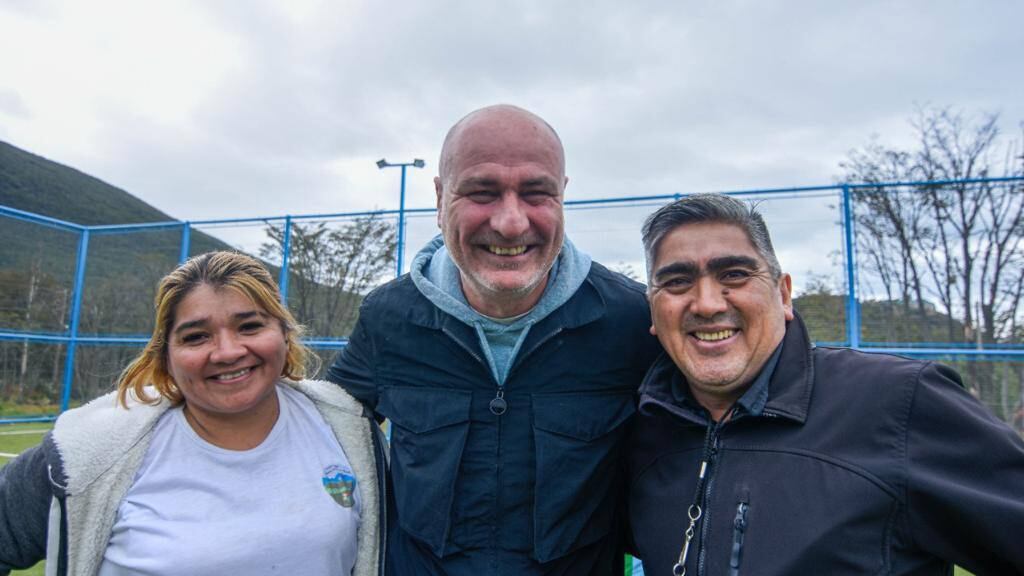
(852, 304)
(76, 309)
(286, 249)
(186, 241)
(401, 227)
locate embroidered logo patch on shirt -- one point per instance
(340, 484)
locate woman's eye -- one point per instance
(251, 326)
(193, 338)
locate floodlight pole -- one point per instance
(416, 163)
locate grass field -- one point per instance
(14, 438)
(17, 437)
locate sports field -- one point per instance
(17, 437)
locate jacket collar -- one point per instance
(586, 305)
(789, 390)
(583, 307)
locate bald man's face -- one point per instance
(500, 209)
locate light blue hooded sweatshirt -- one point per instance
(435, 275)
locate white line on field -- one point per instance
(6, 455)
(19, 432)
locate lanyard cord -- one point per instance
(695, 511)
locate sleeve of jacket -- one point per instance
(24, 510)
(965, 489)
(353, 368)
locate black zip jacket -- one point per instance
(535, 490)
(859, 464)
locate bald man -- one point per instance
(508, 364)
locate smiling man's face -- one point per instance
(500, 208)
(716, 309)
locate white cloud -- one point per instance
(233, 109)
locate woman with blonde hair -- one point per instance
(214, 455)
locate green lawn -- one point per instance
(15, 438)
(37, 570)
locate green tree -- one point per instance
(330, 269)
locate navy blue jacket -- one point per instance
(535, 490)
(859, 464)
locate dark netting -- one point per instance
(923, 278)
(324, 358)
(998, 384)
(940, 264)
(97, 368)
(37, 271)
(121, 276)
(31, 378)
(332, 265)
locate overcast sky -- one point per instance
(238, 109)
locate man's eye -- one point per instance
(675, 284)
(535, 196)
(482, 196)
(735, 275)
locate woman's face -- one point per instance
(225, 353)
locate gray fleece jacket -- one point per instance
(60, 499)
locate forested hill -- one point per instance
(35, 184)
(38, 263)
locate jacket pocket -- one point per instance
(578, 440)
(428, 434)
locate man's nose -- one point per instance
(509, 218)
(708, 297)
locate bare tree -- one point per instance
(330, 269)
(955, 242)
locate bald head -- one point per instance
(499, 206)
(503, 126)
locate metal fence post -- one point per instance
(401, 227)
(76, 309)
(286, 250)
(186, 240)
(852, 304)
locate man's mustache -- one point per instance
(693, 323)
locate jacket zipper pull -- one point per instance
(739, 529)
(498, 405)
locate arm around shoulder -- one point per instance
(25, 497)
(965, 478)
(353, 367)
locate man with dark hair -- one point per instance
(756, 453)
(508, 364)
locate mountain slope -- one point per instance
(34, 184)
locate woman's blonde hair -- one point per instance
(222, 269)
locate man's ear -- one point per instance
(786, 293)
(652, 329)
(439, 190)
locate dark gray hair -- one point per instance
(717, 208)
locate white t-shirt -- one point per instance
(287, 506)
